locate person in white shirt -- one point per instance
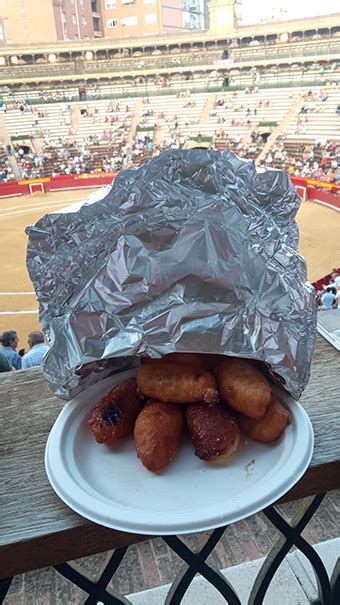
(35, 357)
(337, 298)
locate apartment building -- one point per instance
(142, 17)
(34, 21)
(77, 19)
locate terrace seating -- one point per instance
(54, 121)
(237, 114)
(97, 135)
(6, 173)
(320, 119)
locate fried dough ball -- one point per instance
(115, 415)
(268, 428)
(177, 384)
(214, 432)
(157, 433)
(243, 387)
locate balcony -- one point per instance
(287, 51)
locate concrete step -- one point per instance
(293, 584)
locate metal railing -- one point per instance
(285, 52)
(196, 562)
(109, 65)
(172, 62)
(199, 86)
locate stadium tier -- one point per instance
(270, 93)
(275, 127)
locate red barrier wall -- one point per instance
(57, 183)
(80, 181)
(328, 199)
(318, 191)
(324, 281)
(308, 189)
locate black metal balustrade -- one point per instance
(328, 588)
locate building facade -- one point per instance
(77, 19)
(34, 21)
(135, 18)
(131, 18)
(26, 21)
(195, 16)
(172, 16)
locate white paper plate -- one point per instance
(113, 488)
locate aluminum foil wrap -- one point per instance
(196, 251)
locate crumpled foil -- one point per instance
(196, 251)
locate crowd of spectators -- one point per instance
(319, 160)
(12, 358)
(102, 151)
(113, 147)
(243, 114)
(6, 172)
(328, 294)
(249, 150)
(94, 155)
(107, 152)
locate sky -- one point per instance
(254, 11)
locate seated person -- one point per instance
(328, 299)
(35, 357)
(5, 366)
(10, 342)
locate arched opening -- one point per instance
(223, 42)
(22, 149)
(265, 136)
(113, 53)
(257, 40)
(271, 39)
(29, 59)
(310, 33)
(246, 41)
(64, 57)
(137, 52)
(39, 59)
(102, 55)
(323, 31)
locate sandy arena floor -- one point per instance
(318, 226)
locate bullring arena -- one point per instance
(88, 89)
(18, 308)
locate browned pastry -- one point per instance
(268, 428)
(157, 433)
(115, 415)
(243, 387)
(176, 384)
(214, 432)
